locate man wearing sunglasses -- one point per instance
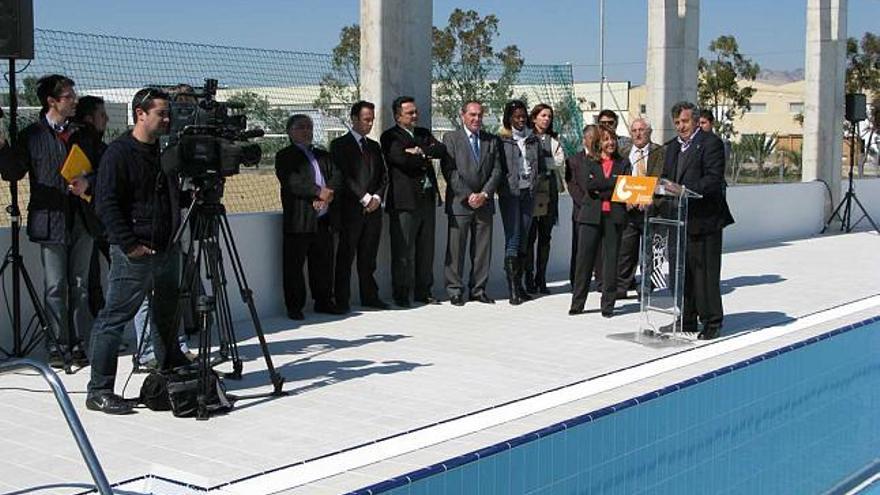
(139, 206)
(59, 218)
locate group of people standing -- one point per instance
(343, 191)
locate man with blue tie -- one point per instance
(473, 170)
(308, 179)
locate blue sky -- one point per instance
(771, 32)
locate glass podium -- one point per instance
(662, 263)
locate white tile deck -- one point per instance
(374, 374)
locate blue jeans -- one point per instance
(516, 215)
(128, 284)
(145, 331)
(66, 285)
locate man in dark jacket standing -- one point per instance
(359, 207)
(696, 161)
(59, 218)
(308, 180)
(473, 170)
(411, 203)
(138, 204)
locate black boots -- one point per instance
(510, 269)
(519, 263)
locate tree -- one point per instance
(341, 86)
(467, 67)
(260, 112)
(863, 64)
(718, 83)
(757, 148)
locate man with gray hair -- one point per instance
(646, 158)
(695, 160)
(308, 179)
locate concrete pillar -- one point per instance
(396, 56)
(824, 74)
(673, 53)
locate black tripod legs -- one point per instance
(22, 343)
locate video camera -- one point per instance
(205, 140)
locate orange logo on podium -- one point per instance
(634, 190)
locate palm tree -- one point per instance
(792, 157)
(758, 148)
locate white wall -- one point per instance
(763, 213)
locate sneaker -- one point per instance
(79, 357)
(56, 360)
(108, 403)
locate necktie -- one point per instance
(475, 144)
(641, 165)
(365, 152)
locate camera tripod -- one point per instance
(847, 201)
(211, 233)
(23, 341)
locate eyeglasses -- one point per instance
(606, 122)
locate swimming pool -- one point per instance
(801, 419)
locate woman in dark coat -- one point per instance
(600, 223)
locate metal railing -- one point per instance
(76, 427)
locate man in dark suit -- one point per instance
(473, 170)
(411, 203)
(696, 161)
(308, 180)
(646, 158)
(358, 207)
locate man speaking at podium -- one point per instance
(695, 160)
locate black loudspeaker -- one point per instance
(17, 29)
(856, 107)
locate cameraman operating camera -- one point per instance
(138, 205)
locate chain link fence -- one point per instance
(270, 84)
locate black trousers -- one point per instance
(412, 249)
(592, 238)
(317, 247)
(702, 282)
(538, 256)
(628, 258)
(358, 237)
(574, 250)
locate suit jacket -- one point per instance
(702, 171)
(408, 172)
(298, 190)
(656, 158)
(574, 180)
(465, 176)
(362, 174)
(598, 189)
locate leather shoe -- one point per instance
(457, 300)
(542, 289)
(427, 300)
(376, 304)
(709, 333)
(296, 315)
(575, 311)
(483, 298)
(607, 314)
(109, 404)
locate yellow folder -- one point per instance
(75, 165)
